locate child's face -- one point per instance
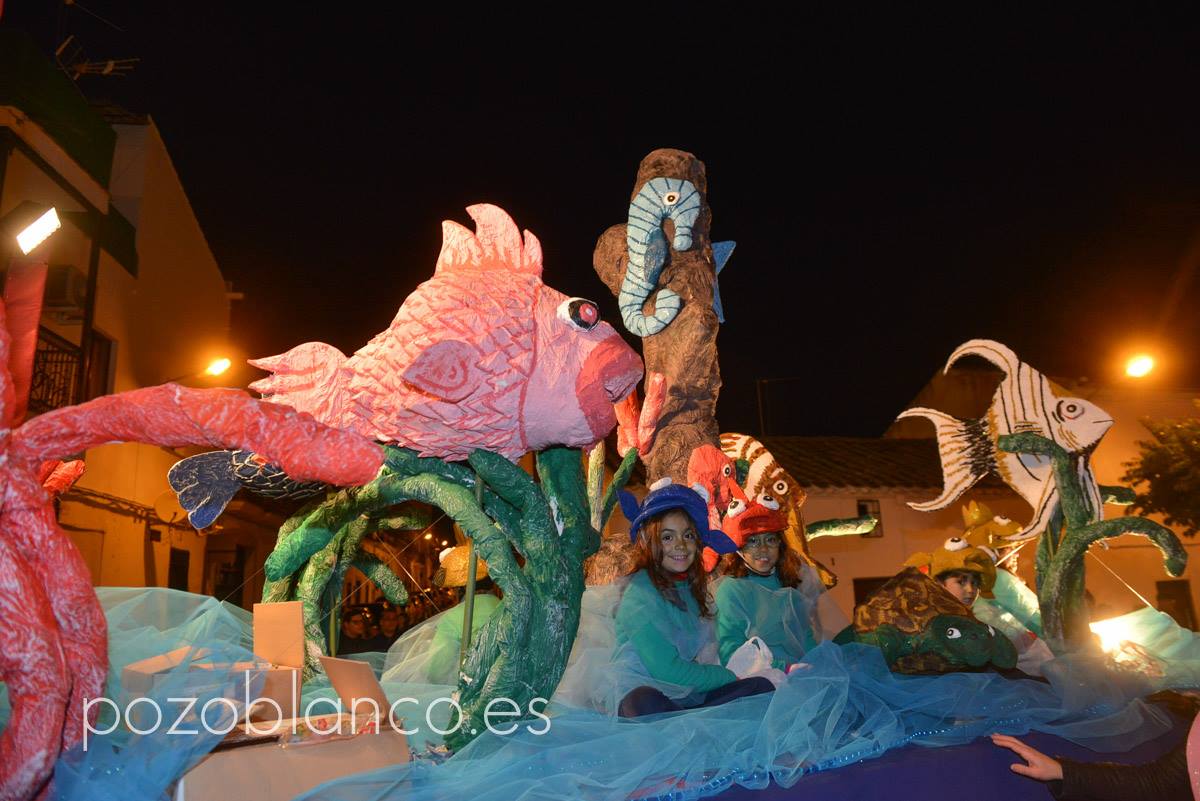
(963, 586)
(761, 552)
(679, 543)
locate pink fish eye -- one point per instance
(581, 313)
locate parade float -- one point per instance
(482, 365)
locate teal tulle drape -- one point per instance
(843, 707)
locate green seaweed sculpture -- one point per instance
(1067, 537)
(522, 650)
(319, 544)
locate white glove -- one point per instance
(751, 657)
(773, 675)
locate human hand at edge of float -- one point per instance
(1040, 767)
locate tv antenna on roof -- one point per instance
(76, 63)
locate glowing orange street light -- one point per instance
(1139, 366)
(215, 368)
(218, 366)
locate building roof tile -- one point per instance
(845, 462)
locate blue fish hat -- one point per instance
(665, 496)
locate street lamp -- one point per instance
(215, 368)
(1139, 366)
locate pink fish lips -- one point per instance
(482, 355)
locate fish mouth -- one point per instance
(611, 371)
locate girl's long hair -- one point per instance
(788, 567)
(648, 554)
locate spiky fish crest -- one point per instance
(1024, 402)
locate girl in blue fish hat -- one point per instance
(664, 633)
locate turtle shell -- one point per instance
(910, 601)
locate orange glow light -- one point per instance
(1139, 366)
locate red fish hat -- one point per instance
(753, 519)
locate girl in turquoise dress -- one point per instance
(664, 639)
(765, 591)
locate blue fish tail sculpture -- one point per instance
(207, 482)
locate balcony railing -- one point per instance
(56, 365)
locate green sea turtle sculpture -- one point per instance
(921, 628)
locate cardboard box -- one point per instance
(278, 642)
(277, 772)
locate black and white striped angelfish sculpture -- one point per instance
(1025, 402)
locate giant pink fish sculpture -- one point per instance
(482, 355)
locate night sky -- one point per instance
(896, 185)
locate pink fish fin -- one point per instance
(496, 243)
(961, 447)
(531, 261)
(627, 414)
(445, 370)
(459, 248)
(307, 377)
(23, 299)
(498, 235)
(656, 397)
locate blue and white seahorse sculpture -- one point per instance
(646, 246)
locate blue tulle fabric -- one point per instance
(1016, 598)
(143, 623)
(845, 706)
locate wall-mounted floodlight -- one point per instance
(30, 224)
(38, 231)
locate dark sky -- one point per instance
(896, 185)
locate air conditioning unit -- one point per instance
(66, 291)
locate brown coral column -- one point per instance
(686, 350)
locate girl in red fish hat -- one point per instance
(764, 592)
